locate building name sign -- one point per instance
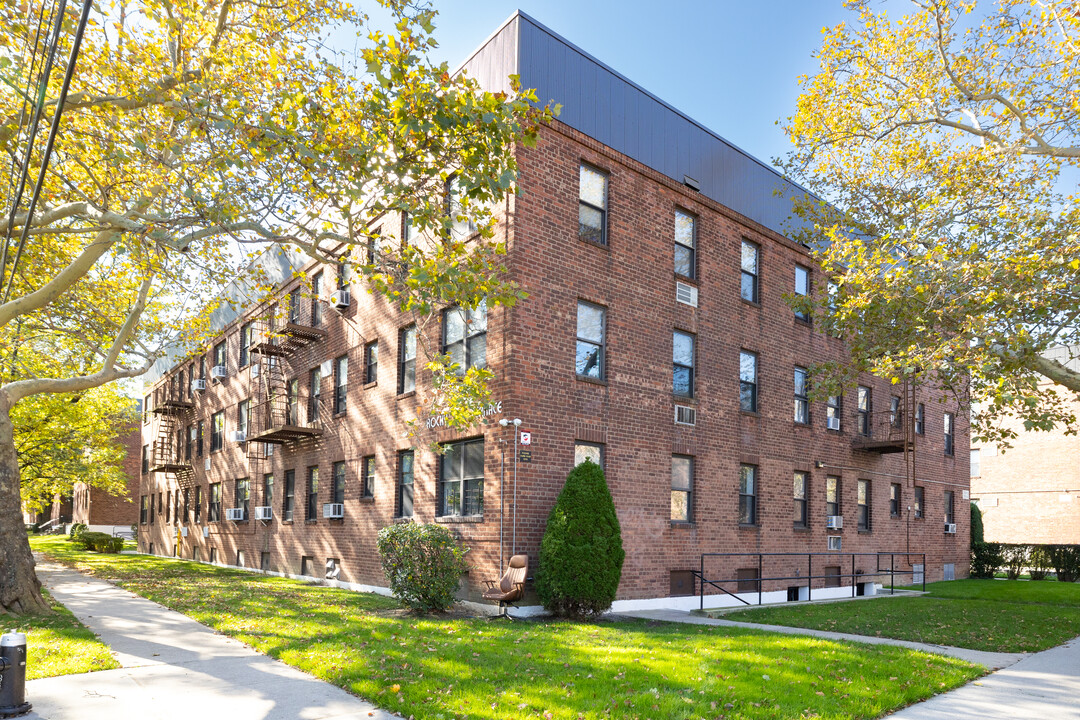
(492, 408)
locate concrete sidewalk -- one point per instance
(175, 668)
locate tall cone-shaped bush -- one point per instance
(581, 555)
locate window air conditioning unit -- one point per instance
(183, 532)
(950, 528)
(234, 514)
(834, 522)
(198, 384)
(832, 423)
(219, 372)
(685, 415)
(835, 542)
(686, 294)
(333, 510)
(264, 512)
(340, 299)
(238, 436)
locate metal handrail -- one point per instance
(892, 571)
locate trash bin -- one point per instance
(13, 675)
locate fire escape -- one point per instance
(168, 453)
(887, 431)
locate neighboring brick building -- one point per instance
(686, 386)
(104, 512)
(1031, 492)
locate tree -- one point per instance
(581, 554)
(943, 140)
(195, 134)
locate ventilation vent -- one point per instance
(686, 294)
(685, 415)
(834, 542)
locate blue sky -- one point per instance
(730, 64)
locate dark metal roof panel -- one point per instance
(607, 106)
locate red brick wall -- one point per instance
(531, 350)
(94, 506)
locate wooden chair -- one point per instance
(510, 587)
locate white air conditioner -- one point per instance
(686, 294)
(832, 423)
(198, 384)
(834, 522)
(238, 436)
(183, 532)
(333, 510)
(234, 514)
(950, 528)
(835, 542)
(685, 415)
(219, 372)
(264, 512)
(340, 299)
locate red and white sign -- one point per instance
(526, 438)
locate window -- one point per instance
(747, 495)
(832, 495)
(202, 367)
(219, 354)
(461, 485)
(316, 303)
(292, 402)
(214, 513)
(749, 289)
(406, 229)
(338, 491)
(294, 306)
(918, 502)
(168, 507)
(152, 508)
(976, 468)
(461, 226)
(243, 412)
(145, 459)
(407, 359)
(198, 504)
(243, 496)
(949, 434)
(368, 467)
(832, 412)
(685, 244)
(592, 206)
(314, 391)
(289, 496)
(341, 378)
(920, 421)
(863, 491)
(896, 414)
(862, 411)
(802, 401)
(343, 275)
(144, 509)
(187, 504)
(894, 499)
(802, 290)
(799, 491)
(682, 483)
(588, 451)
(189, 446)
(465, 337)
(949, 518)
(371, 362)
(307, 565)
(372, 245)
(312, 494)
(217, 430)
(190, 378)
(683, 360)
(748, 381)
(589, 360)
(199, 440)
(268, 490)
(245, 343)
(405, 483)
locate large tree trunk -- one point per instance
(20, 590)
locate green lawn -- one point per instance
(59, 644)
(474, 668)
(996, 615)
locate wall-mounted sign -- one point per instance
(526, 438)
(525, 456)
(437, 421)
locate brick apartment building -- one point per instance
(1031, 492)
(111, 513)
(655, 339)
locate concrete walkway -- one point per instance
(991, 660)
(175, 668)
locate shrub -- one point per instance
(986, 558)
(88, 539)
(77, 529)
(1066, 561)
(423, 564)
(581, 555)
(1039, 563)
(1015, 559)
(976, 524)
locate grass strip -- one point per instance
(58, 644)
